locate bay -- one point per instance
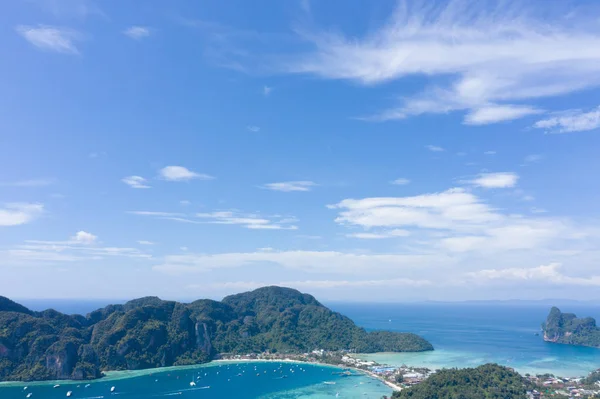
(244, 380)
(471, 334)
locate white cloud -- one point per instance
(376, 236)
(137, 32)
(490, 153)
(542, 274)
(267, 90)
(495, 180)
(180, 173)
(571, 121)
(53, 38)
(249, 221)
(15, 214)
(498, 56)
(253, 129)
(401, 181)
(454, 208)
(291, 186)
(29, 183)
(434, 148)
(184, 202)
(144, 242)
(83, 237)
(136, 182)
(498, 113)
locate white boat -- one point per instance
(112, 389)
(192, 384)
(56, 386)
(25, 388)
(69, 393)
(87, 385)
(29, 395)
(329, 383)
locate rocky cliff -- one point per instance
(566, 328)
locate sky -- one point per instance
(355, 150)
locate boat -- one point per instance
(192, 384)
(329, 383)
(112, 389)
(56, 386)
(87, 385)
(25, 388)
(69, 393)
(29, 394)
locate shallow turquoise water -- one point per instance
(271, 380)
(468, 335)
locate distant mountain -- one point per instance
(149, 332)
(566, 328)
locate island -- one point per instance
(567, 328)
(150, 332)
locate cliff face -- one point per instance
(149, 332)
(566, 328)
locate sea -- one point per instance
(463, 334)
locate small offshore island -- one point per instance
(566, 328)
(149, 333)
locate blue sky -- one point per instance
(357, 150)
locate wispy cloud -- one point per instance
(489, 153)
(154, 213)
(400, 182)
(542, 274)
(15, 214)
(317, 284)
(434, 148)
(499, 113)
(137, 32)
(82, 246)
(233, 217)
(500, 54)
(253, 129)
(29, 183)
(144, 242)
(180, 173)
(52, 38)
(376, 236)
(495, 180)
(532, 158)
(249, 220)
(267, 90)
(571, 121)
(303, 185)
(136, 182)
(313, 261)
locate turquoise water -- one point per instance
(467, 335)
(272, 380)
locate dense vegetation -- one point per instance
(566, 328)
(150, 332)
(489, 381)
